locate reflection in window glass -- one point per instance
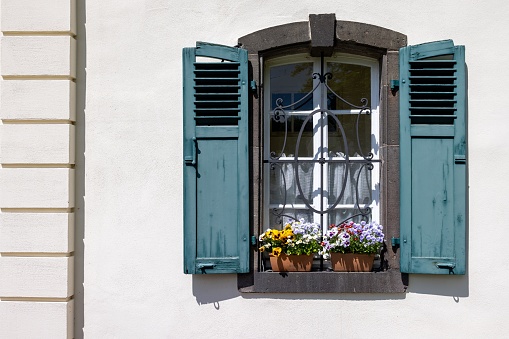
(291, 83)
(293, 126)
(351, 82)
(336, 145)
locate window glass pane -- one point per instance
(337, 179)
(348, 121)
(351, 82)
(283, 182)
(291, 83)
(293, 125)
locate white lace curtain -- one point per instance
(284, 190)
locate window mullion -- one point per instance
(317, 198)
(375, 128)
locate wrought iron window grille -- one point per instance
(279, 115)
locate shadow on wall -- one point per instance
(213, 288)
(79, 245)
(455, 286)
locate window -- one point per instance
(322, 112)
(234, 112)
(338, 150)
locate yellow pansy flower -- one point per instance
(287, 233)
(276, 234)
(276, 251)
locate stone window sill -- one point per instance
(391, 281)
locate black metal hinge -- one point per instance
(253, 86)
(394, 86)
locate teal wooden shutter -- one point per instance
(216, 159)
(433, 158)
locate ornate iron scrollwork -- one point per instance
(279, 115)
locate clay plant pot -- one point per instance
(291, 263)
(352, 262)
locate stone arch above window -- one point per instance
(323, 33)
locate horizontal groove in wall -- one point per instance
(37, 254)
(36, 299)
(38, 77)
(37, 122)
(38, 33)
(38, 165)
(37, 210)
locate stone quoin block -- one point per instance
(37, 188)
(38, 56)
(38, 100)
(37, 232)
(37, 144)
(21, 319)
(39, 16)
(43, 277)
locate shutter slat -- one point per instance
(416, 77)
(433, 158)
(432, 116)
(424, 101)
(438, 85)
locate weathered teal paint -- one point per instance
(216, 159)
(433, 158)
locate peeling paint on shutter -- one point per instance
(216, 159)
(433, 158)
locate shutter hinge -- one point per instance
(204, 267)
(446, 265)
(253, 86)
(394, 86)
(395, 242)
(253, 240)
(191, 159)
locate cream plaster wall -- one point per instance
(128, 263)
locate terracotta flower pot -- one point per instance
(352, 262)
(291, 263)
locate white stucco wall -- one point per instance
(128, 259)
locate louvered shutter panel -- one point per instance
(433, 158)
(216, 158)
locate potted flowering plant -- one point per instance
(292, 248)
(352, 246)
